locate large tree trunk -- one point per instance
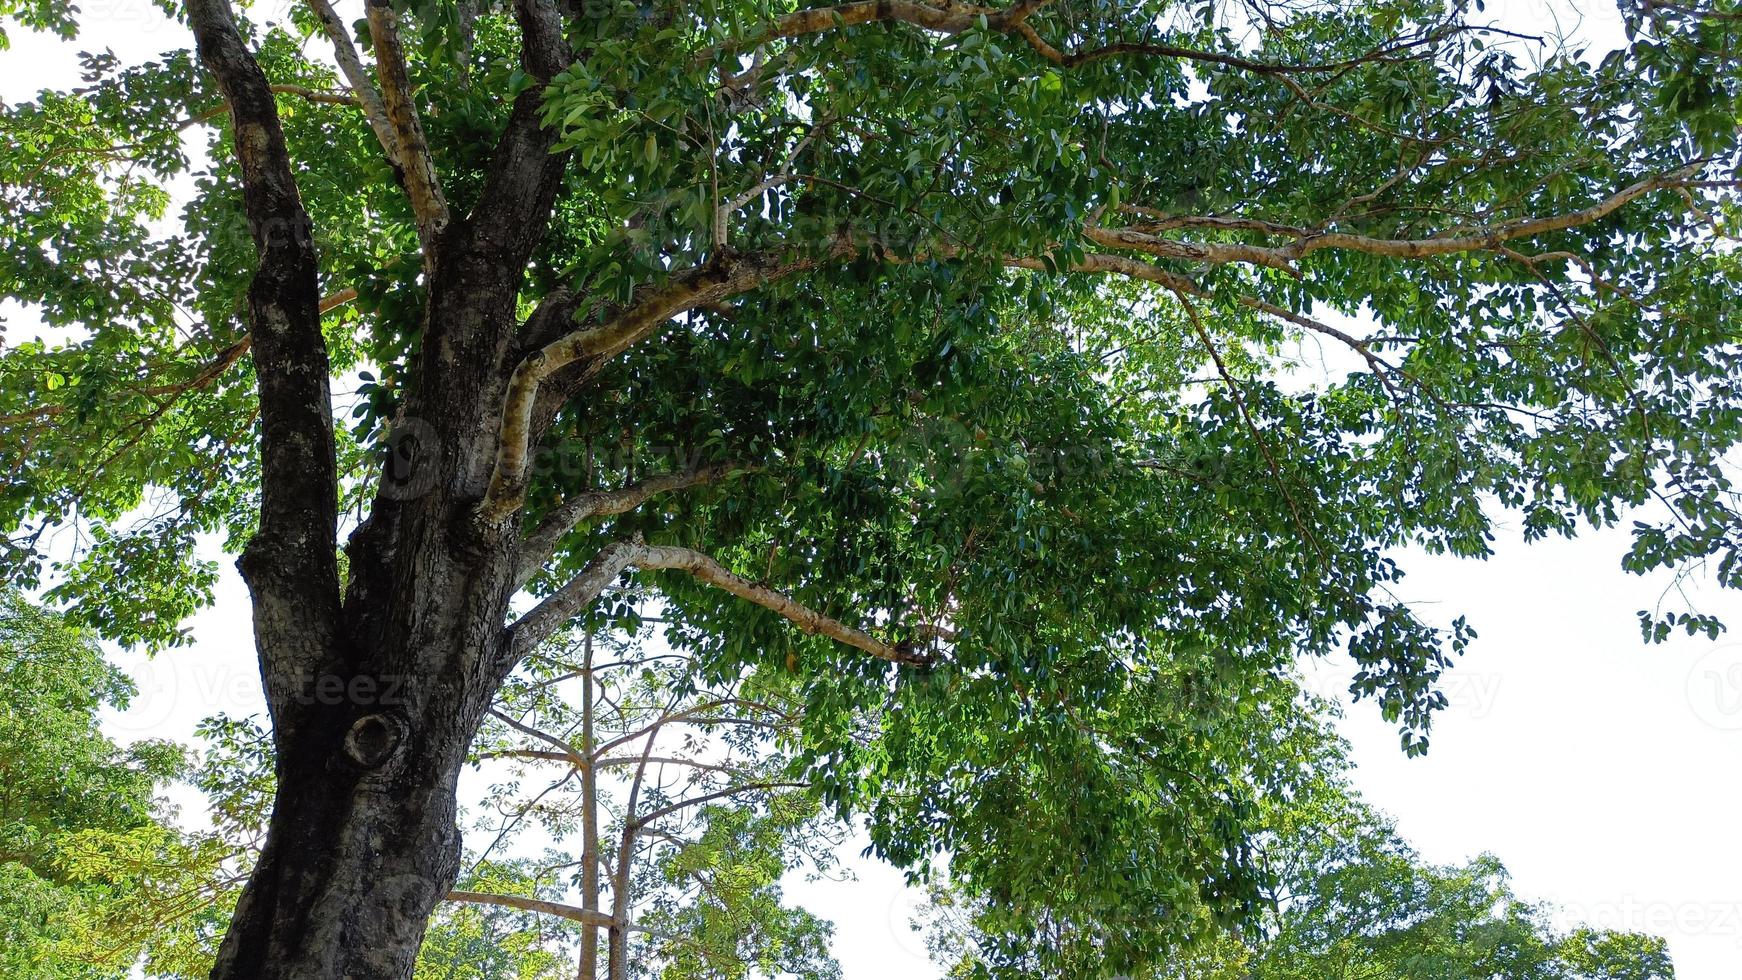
(363, 841)
(376, 685)
(355, 861)
(372, 726)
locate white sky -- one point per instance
(1604, 773)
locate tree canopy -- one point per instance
(946, 359)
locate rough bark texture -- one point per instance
(375, 695)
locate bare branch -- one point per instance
(345, 53)
(569, 514)
(573, 913)
(699, 716)
(671, 808)
(541, 755)
(662, 760)
(422, 184)
(615, 762)
(613, 559)
(575, 757)
(708, 570)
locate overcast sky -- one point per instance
(1603, 772)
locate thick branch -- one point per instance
(651, 308)
(709, 284)
(298, 511)
(1143, 238)
(567, 602)
(422, 184)
(1213, 253)
(525, 171)
(614, 559)
(713, 573)
(569, 514)
(1104, 264)
(573, 913)
(1494, 236)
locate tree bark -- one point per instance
(589, 965)
(355, 860)
(375, 687)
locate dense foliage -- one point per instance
(953, 362)
(94, 875)
(1347, 897)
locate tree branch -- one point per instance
(696, 715)
(296, 547)
(567, 602)
(422, 184)
(351, 66)
(525, 171)
(671, 808)
(614, 559)
(651, 308)
(211, 371)
(1142, 238)
(1213, 253)
(573, 913)
(615, 762)
(711, 283)
(706, 569)
(569, 514)
(575, 757)
(1493, 236)
(953, 18)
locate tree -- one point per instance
(934, 352)
(88, 857)
(1346, 897)
(686, 802)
